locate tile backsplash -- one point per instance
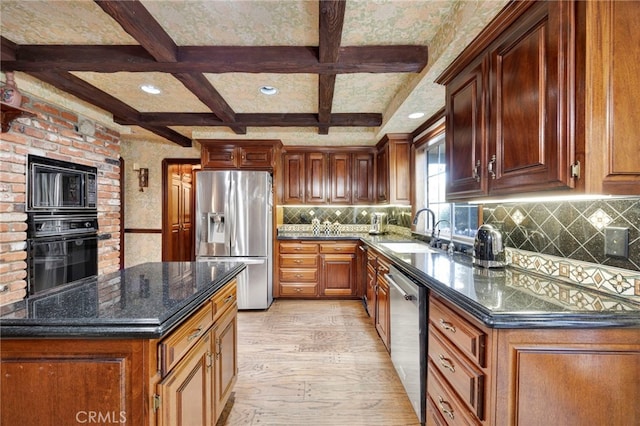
(346, 215)
(569, 229)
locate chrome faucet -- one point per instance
(433, 218)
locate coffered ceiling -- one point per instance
(346, 72)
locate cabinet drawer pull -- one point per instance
(490, 167)
(298, 248)
(195, 334)
(229, 298)
(297, 261)
(337, 248)
(445, 407)
(298, 289)
(447, 325)
(209, 360)
(446, 363)
(299, 275)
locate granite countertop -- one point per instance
(143, 301)
(501, 298)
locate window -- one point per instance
(459, 219)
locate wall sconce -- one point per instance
(143, 178)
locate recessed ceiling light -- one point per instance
(268, 90)
(150, 88)
(415, 115)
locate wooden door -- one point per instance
(465, 134)
(226, 359)
(186, 394)
(338, 275)
(317, 178)
(529, 147)
(293, 178)
(340, 178)
(363, 179)
(178, 242)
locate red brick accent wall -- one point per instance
(52, 132)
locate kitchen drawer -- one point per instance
(470, 340)
(298, 289)
(298, 261)
(224, 299)
(434, 416)
(298, 248)
(338, 248)
(465, 378)
(451, 409)
(296, 275)
(173, 347)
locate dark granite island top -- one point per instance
(143, 301)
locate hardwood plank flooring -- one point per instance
(314, 362)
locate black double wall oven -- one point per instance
(62, 215)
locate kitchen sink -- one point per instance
(408, 247)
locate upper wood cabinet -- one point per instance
(250, 155)
(320, 176)
(393, 169)
(506, 105)
(543, 99)
(608, 95)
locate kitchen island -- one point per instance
(154, 344)
(510, 346)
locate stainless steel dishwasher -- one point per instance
(408, 312)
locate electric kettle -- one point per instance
(488, 247)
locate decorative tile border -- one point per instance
(616, 281)
(571, 297)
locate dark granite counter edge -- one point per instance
(122, 329)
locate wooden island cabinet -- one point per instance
(184, 377)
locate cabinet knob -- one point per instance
(298, 261)
(298, 275)
(298, 289)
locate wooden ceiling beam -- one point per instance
(136, 20)
(88, 93)
(7, 50)
(330, 34)
(253, 120)
(218, 59)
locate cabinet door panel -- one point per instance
(294, 178)
(316, 178)
(340, 176)
(218, 156)
(528, 81)
(363, 179)
(186, 393)
(226, 364)
(339, 273)
(255, 157)
(465, 136)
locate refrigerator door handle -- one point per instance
(233, 220)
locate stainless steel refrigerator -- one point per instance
(234, 224)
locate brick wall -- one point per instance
(52, 133)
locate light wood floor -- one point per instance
(307, 362)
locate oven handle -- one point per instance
(58, 238)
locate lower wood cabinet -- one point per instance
(312, 269)
(479, 375)
(383, 304)
(183, 379)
